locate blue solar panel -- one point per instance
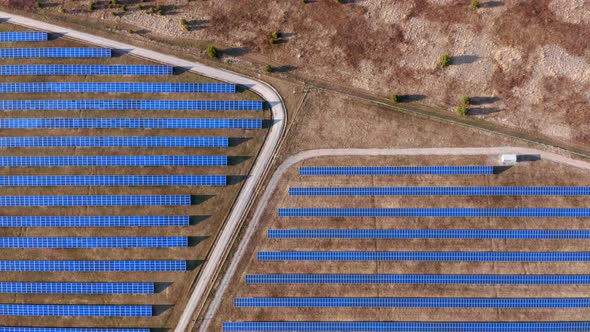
(434, 212)
(67, 329)
(37, 161)
(444, 256)
(74, 52)
(111, 180)
(114, 141)
(132, 123)
(512, 234)
(412, 302)
(23, 36)
(93, 242)
(75, 310)
(93, 221)
(116, 87)
(478, 279)
(440, 191)
(122, 200)
(401, 326)
(125, 105)
(77, 287)
(17, 70)
(403, 170)
(92, 266)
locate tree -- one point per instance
(184, 24)
(475, 4)
(268, 69)
(462, 111)
(465, 100)
(91, 6)
(212, 52)
(445, 60)
(394, 98)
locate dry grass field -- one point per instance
(209, 211)
(537, 173)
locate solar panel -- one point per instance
(401, 326)
(93, 221)
(107, 200)
(111, 180)
(114, 141)
(125, 105)
(443, 256)
(23, 36)
(75, 310)
(402, 170)
(434, 212)
(132, 123)
(67, 329)
(66, 52)
(511, 234)
(92, 266)
(39, 161)
(94, 242)
(14, 70)
(436, 279)
(440, 191)
(77, 288)
(116, 87)
(412, 302)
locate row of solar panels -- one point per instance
(403, 170)
(115, 87)
(23, 36)
(71, 310)
(112, 180)
(130, 123)
(57, 52)
(128, 104)
(77, 287)
(434, 212)
(93, 266)
(66, 329)
(110, 161)
(48, 69)
(106, 200)
(93, 221)
(94, 242)
(440, 191)
(115, 141)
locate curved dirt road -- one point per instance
(252, 226)
(210, 267)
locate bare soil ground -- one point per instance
(523, 62)
(209, 211)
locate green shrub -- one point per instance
(62, 10)
(124, 8)
(151, 10)
(444, 61)
(475, 4)
(212, 52)
(184, 24)
(462, 111)
(114, 13)
(130, 31)
(161, 12)
(394, 98)
(91, 6)
(114, 2)
(139, 7)
(465, 100)
(38, 4)
(275, 35)
(268, 69)
(273, 41)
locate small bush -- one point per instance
(160, 12)
(139, 7)
(38, 5)
(338, 1)
(444, 61)
(124, 8)
(91, 6)
(130, 31)
(212, 52)
(273, 41)
(268, 69)
(465, 100)
(114, 2)
(275, 35)
(475, 4)
(394, 98)
(151, 10)
(462, 111)
(184, 24)
(62, 10)
(114, 13)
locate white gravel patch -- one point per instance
(571, 11)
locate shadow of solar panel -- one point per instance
(114, 141)
(75, 310)
(23, 36)
(39, 161)
(125, 105)
(92, 266)
(93, 221)
(403, 326)
(436, 279)
(107, 200)
(443, 256)
(73, 52)
(440, 191)
(435, 212)
(132, 123)
(77, 288)
(15, 70)
(67, 329)
(403, 170)
(94, 242)
(116, 87)
(407, 302)
(112, 180)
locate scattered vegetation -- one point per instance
(184, 24)
(475, 4)
(212, 52)
(462, 111)
(394, 98)
(268, 69)
(444, 61)
(465, 100)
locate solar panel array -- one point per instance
(111, 180)
(127, 105)
(437, 279)
(93, 266)
(116, 87)
(106, 200)
(23, 36)
(114, 141)
(404, 170)
(38, 161)
(401, 326)
(75, 310)
(117, 70)
(64, 52)
(77, 287)
(440, 191)
(512, 234)
(131, 123)
(94, 242)
(67, 329)
(435, 212)
(93, 221)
